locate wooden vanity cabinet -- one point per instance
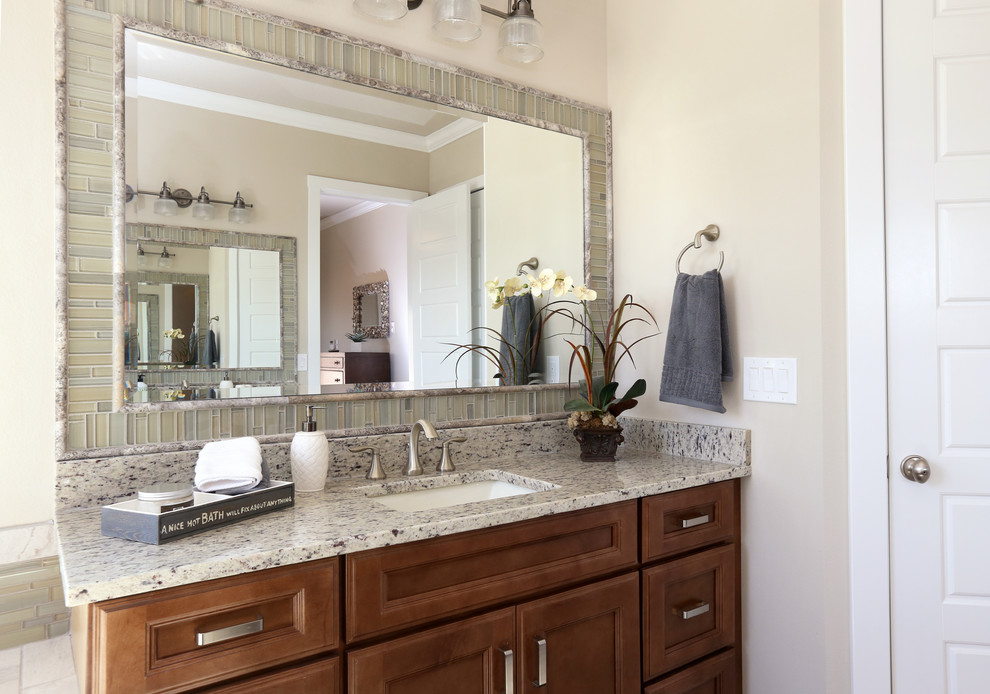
(206, 633)
(691, 590)
(635, 596)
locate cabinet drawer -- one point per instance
(196, 635)
(424, 581)
(466, 656)
(331, 378)
(689, 519)
(715, 675)
(689, 609)
(332, 360)
(321, 677)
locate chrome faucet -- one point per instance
(414, 468)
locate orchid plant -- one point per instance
(184, 350)
(599, 402)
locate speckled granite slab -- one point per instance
(346, 518)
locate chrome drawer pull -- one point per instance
(510, 670)
(541, 650)
(205, 638)
(695, 611)
(697, 520)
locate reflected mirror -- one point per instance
(372, 188)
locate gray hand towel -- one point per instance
(212, 357)
(518, 351)
(697, 356)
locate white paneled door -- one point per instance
(937, 160)
(439, 248)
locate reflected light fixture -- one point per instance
(520, 37)
(169, 202)
(142, 257)
(165, 259)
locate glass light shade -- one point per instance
(166, 207)
(203, 210)
(520, 40)
(457, 20)
(383, 9)
(142, 257)
(165, 259)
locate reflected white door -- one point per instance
(259, 309)
(439, 245)
(937, 161)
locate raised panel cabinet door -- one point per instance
(320, 677)
(583, 641)
(421, 582)
(472, 656)
(715, 675)
(689, 609)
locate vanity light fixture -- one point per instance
(142, 257)
(165, 259)
(203, 208)
(240, 212)
(169, 202)
(520, 37)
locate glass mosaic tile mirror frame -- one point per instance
(90, 234)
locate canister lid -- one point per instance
(169, 491)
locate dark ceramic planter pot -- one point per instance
(598, 444)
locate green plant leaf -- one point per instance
(637, 389)
(579, 405)
(606, 394)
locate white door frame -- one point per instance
(869, 574)
(338, 186)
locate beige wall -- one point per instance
(726, 113)
(27, 283)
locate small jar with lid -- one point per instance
(169, 496)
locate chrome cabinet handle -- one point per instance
(205, 638)
(916, 469)
(697, 520)
(696, 611)
(541, 652)
(510, 670)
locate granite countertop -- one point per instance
(343, 519)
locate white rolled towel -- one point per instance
(230, 465)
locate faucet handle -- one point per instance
(376, 472)
(446, 464)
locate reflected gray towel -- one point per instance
(518, 331)
(212, 357)
(697, 356)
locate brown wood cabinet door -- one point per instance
(715, 675)
(689, 609)
(467, 657)
(585, 641)
(321, 677)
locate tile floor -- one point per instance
(42, 667)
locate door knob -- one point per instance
(916, 469)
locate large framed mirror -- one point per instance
(99, 414)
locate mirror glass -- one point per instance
(371, 187)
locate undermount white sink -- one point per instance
(459, 492)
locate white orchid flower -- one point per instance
(584, 294)
(513, 286)
(492, 288)
(562, 283)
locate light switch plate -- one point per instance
(769, 379)
(553, 369)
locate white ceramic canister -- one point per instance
(161, 498)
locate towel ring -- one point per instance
(710, 232)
